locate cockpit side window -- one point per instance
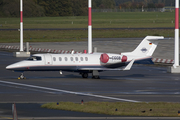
(34, 58)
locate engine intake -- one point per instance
(124, 58)
(104, 58)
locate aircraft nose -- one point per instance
(9, 67)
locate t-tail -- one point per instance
(146, 47)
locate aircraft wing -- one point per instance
(128, 67)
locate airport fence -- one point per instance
(41, 50)
(136, 10)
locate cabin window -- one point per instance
(60, 59)
(76, 58)
(81, 58)
(34, 58)
(54, 58)
(86, 58)
(71, 58)
(66, 59)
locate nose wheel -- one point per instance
(21, 76)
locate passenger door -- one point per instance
(48, 59)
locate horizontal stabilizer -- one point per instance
(160, 38)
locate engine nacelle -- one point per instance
(112, 58)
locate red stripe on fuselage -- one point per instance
(54, 66)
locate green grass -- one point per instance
(99, 20)
(160, 109)
(77, 35)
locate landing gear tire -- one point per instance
(84, 75)
(21, 76)
(95, 77)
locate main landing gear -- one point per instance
(21, 76)
(95, 75)
(84, 75)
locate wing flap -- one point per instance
(103, 69)
(128, 67)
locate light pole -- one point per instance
(176, 43)
(21, 26)
(89, 27)
(21, 52)
(176, 68)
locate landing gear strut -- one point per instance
(21, 76)
(95, 74)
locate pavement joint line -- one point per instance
(69, 92)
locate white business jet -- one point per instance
(88, 63)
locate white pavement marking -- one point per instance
(70, 92)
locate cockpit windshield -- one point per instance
(34, 58)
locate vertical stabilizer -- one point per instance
(147, 46)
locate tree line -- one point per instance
(39, 8)
(138, 5)
(146, 2)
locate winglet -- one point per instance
(128, 67)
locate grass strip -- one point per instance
(78, 35)
(99, 20)
(158, 109)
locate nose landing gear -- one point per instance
(21, 76)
